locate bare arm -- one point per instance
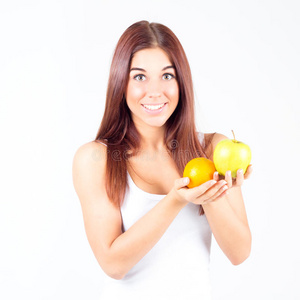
(118, 252)
(228, 220)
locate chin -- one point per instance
(157, 123)
(150, 122)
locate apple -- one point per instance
(231, 155)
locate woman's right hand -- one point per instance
(202, 194)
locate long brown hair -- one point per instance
(117, 129)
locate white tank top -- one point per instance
(177, 267)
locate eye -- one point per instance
(140, 77)
(168, 76)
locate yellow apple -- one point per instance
(231, 155)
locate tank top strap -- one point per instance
(201, 138)
(97, 141)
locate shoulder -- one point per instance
(91, 152)
(89, 164)
(211, 141)
(217, 137)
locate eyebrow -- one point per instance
(168, 67)
(140, 69)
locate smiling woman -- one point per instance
(137, 78)
(141, 220)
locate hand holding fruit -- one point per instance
(197, 185)
(232, 161)
(202, 194)
(234, 182)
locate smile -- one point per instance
(154, 107)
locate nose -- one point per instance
(154, 95)
(154, 89)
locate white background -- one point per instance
(54, 64)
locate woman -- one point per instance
(142, 222)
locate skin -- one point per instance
(117, 251)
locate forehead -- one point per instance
(150, 57)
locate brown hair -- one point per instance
(117, 129)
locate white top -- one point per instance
(177, 267)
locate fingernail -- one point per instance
(186, 180)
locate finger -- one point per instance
(181, 182)
(216, 176)
(220, 193)
(239, 177)
(228, 178)
(248, 172)
(201, 189)
(214, 190)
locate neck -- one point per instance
(152, 138)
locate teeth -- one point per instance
(154, 107)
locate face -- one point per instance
(152, 93)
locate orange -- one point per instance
(199, 170)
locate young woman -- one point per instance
(150, 233)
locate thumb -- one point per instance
(181, 182)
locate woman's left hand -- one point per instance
(234, 182)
